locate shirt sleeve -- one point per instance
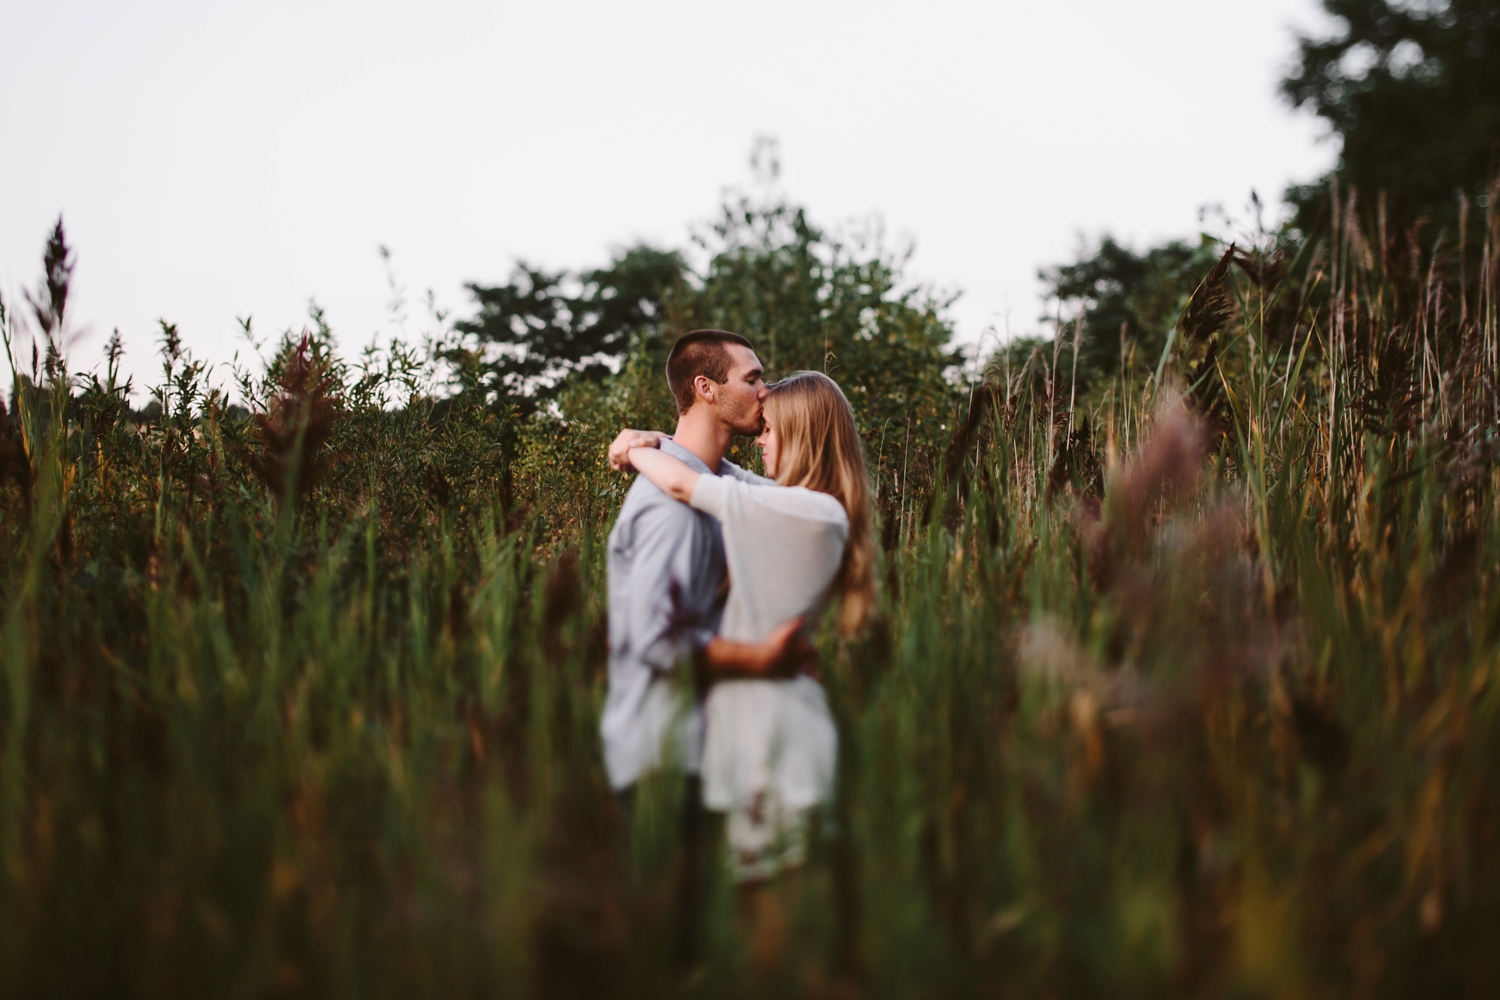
(797, 502)
(728, 468)
(765, 503)
(665, 543)
(709, 495)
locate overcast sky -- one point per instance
(214, 161)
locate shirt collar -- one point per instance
(679, 452)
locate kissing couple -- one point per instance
(716, 576)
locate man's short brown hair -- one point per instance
(699, 353)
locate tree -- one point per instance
(1413, 91)
(543, 328)
(811, 300)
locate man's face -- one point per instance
(737, 403)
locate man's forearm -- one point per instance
(727, 658)
(785, 653)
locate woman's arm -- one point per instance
(670, 475)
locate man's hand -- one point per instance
(790, 652)
(619, 449)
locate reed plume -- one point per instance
(291, 455)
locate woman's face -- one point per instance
(770, 444)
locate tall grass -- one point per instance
(1186, 683)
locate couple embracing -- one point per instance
(718, 571)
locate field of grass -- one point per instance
(1187, 680)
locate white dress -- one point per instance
(770, 746)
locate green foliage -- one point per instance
(1413, 92)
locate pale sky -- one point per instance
(217, 160)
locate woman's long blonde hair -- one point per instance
(820, 449)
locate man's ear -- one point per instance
(703, 388)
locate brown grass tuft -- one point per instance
(1209, 311)
(1165, 470)
(294, 430)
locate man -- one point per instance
(666, 576)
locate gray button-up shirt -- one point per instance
(666, 568)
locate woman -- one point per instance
(770, 746)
